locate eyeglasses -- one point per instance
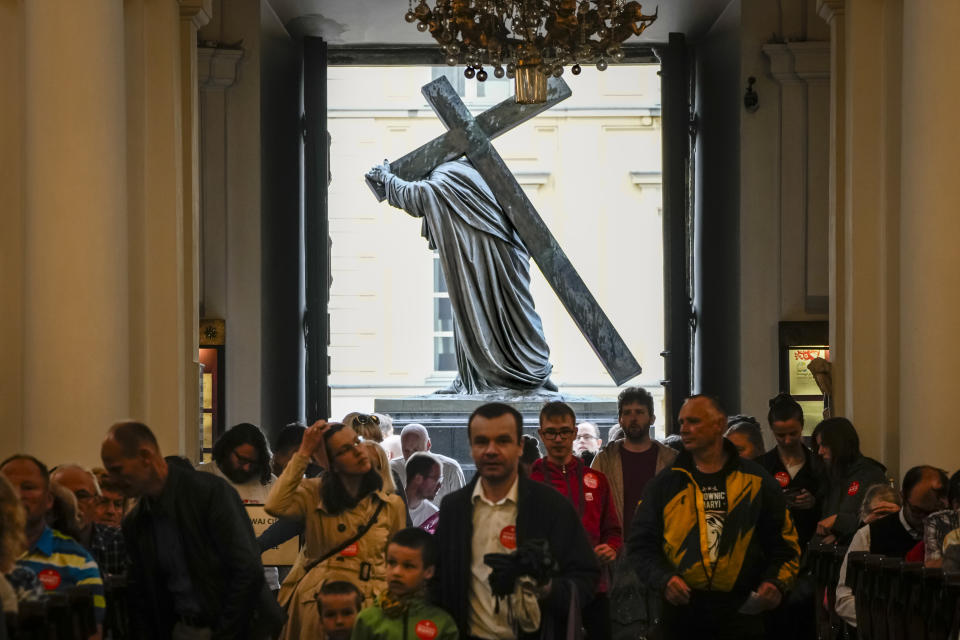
(83, 496)
(586, 436)
(362, 418)
(347, 448)
(552, 434)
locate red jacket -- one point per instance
(589, 492)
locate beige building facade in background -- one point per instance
(592, 168)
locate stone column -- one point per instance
(12, 223)
(803, 71)
(832, 11)
(217, 73)
(193, 15)
(928, 233)
(865, 223)
(75, 298)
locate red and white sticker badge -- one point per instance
(853, 489)
(426, 630)
(49, 578)
(590, 481)
(783, 478)
(508, 537)
(350, 551)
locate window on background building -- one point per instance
(444, 351)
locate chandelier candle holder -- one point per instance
(530, 40)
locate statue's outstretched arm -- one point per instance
(399, 192)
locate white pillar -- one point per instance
(75, 299)
(12, 225)
(929, 229)
(865, 217)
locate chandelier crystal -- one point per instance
(530, 40)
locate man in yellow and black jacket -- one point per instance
(713, 534)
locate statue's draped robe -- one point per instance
(498, 333)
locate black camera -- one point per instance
(532, 558)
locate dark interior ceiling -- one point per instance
(381, 21)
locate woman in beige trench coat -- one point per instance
(334, 508)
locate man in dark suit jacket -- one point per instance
(497, 512)
(195, 565)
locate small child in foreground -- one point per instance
(339, 602)
(402, 611)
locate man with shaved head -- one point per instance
(713, 535)
(104, 543)
(414, 438)
(195, 564)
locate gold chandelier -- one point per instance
(530, 40)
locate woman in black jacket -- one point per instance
(849, 475)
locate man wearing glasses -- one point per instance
(587, 444)
(589, 492)
(241, 456)
(104, 543)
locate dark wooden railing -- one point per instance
(895, 600)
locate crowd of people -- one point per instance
(700, 536)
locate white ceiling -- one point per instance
(381, 21)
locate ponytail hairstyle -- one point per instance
(783, 407)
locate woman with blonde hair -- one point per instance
(348, 518)
(367, 425)
(15, 582)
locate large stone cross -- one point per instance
(471, 137)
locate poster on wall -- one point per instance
(281, 556)
(801, 381)
(800, 344)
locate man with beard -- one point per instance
(241, 456)
(628, 464)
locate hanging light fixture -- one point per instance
(530, 40)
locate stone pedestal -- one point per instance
(445, 417)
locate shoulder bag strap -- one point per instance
(349, 541)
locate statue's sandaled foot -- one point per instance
(453, 388)
(450, 390)
(550, 385)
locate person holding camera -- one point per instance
(502, 513)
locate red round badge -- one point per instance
(590, 480)
(508, 537)
(49, 578)
(782, 477)
(853, 488)
(426, 630)
(349, 551)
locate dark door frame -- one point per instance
(675, 100)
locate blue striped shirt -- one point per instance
(60, 561)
